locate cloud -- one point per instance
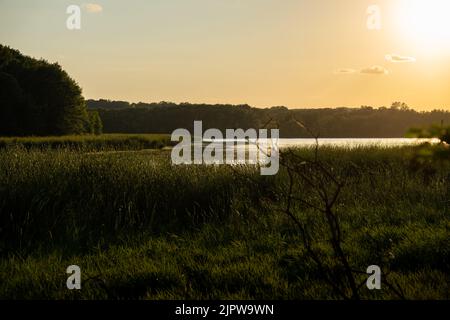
(395, 58)
(92, 7)
(374, 70)
(345, 71)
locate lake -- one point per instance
(334, 142)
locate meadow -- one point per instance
(140, 228)
(104, 142)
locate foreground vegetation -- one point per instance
(140, 228)
(105, 142)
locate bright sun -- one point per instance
(426, 23)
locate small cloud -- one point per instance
(374, 70)
(345, 71)
(92, 7)
(395, 58)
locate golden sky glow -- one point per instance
(297, 53)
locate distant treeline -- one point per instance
(364, 122)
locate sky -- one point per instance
(295, 53)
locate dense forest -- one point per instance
(364, 122)
(40, 98)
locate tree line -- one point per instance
(363, 122)
(40, 98)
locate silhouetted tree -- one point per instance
(95, 123)
(38, 98)
(12, 104)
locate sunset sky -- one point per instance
(297, 53)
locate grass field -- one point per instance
(140, 228)
(104, 142)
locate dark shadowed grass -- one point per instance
(104, 142)
(65, 197)
(141, 228)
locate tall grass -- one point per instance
(70, 197)
(105, 142)
(142, 228)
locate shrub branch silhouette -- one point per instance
(323, 188)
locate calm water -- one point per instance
(351, 143)
(343, 143)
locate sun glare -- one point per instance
(426, 23)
